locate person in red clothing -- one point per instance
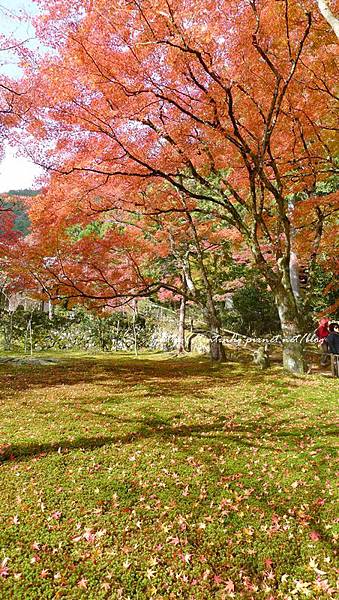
(322, 332)
(333, 347)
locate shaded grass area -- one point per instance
(166, 478)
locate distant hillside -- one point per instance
(22, 223)
(24, 192)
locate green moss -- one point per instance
(155, 477)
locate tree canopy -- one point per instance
(156, 115)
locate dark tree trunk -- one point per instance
(181, 327)
(8, 333)
(217, 350)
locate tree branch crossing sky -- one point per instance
(16, 172)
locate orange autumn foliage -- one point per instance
(228, 106)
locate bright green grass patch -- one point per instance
(162, 478)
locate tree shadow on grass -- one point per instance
(169, 378)
(251, 435)
(163, 379)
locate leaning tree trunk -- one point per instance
(217, 349)
(291, 327)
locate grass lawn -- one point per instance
(160, 478)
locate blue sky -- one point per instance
(15, 172)
(10, 26)
(15, 7)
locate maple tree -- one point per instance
(7, 220)
(8, 238)
(107, 262)
(227, 105)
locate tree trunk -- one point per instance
(294, 276)
(290, 320)
(135, 338)
(8, 333)
(217, 350)
(329, 16)
(181, 328)
(50, 310)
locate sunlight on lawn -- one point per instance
(165, 478)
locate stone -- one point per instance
(261, 357)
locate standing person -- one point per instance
(322, 332)
(333, 346)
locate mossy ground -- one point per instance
(156, 477)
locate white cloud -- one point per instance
(17, 172)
